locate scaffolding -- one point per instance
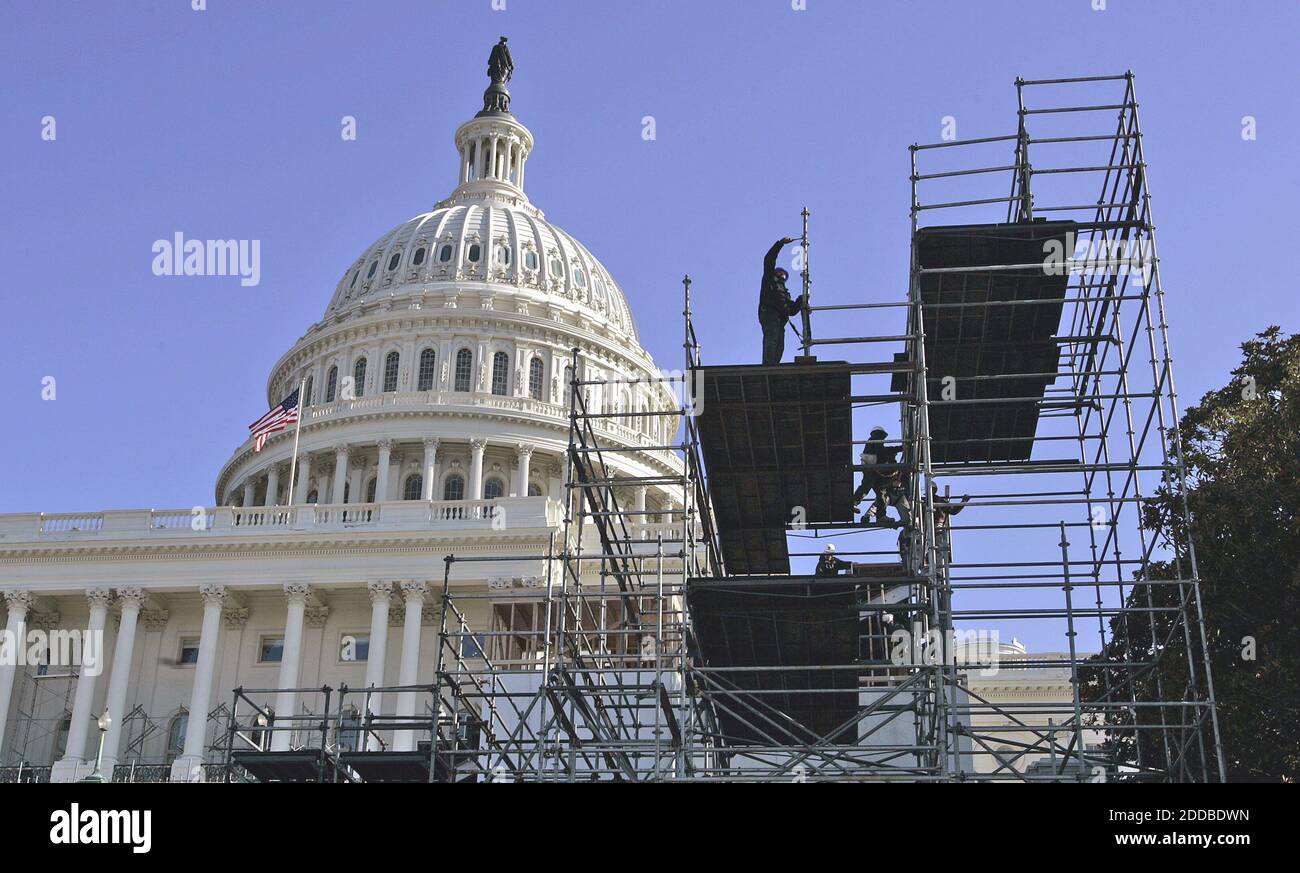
(1034, 380)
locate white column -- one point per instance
(250, 492)
(19, 604)
(340, 472)
(413, 596)
(430, 467)
(381, 595)
(385, 465)
(476, 468)
(523, 161)
(286, 701)
(493, 161)
(187, 768)
(638, 505)
(69, 768)
(302, 484)
(131, 600)
(525, 459)
(272, 486)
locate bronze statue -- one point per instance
(496, 99)
(500, 64)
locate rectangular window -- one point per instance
(189, 651)
(354, 648)
(270, 650)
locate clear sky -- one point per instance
(225, 123)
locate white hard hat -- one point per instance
(830, 547)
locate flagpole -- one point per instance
(293, 464)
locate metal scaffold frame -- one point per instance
(1035, 376)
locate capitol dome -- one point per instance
(439, 370)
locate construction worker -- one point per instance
(774, 304)
(830, 565)
(887, 483)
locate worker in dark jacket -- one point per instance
(775, 305)
(829, 565)
(887, 483)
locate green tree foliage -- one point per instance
(1241, 456)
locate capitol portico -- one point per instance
(434, 420)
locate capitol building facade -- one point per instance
(434, 422)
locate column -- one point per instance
(286, 701)
(492, 158)
(638, 504)
(430, 467)
(272, 486)
(131, 600)
(188, 767)
(250, 492)
(525, 460)
(340, 472)
(383, 473)
(302, 484)
(476, 468)
(381, 595)
(413, 596)
(69, 768)
(19, 604)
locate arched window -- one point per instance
(444, 254)
(493, 488)
(391, 363)
(176, 730)
(413, 487)
(534, 490)
(464, 369)
(500, 372)
(355, 274)
(394, 261)
(503, 255)
(306, 397)
(454, 487)
(475, 252)
(418, 259)
(332, 385)
(428, 369)
(535, 378)
(579, 277)
(370, 490)
(359, 377)
(530, 259)
(313, 496)
(370, 274)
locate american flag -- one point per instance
(276, 420)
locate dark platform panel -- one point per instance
(987, 340)
(798, 621)
(307, 765)
(389, 766)
(774, 438)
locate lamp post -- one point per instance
(103, 722)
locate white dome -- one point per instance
(511, 246)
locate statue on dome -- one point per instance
(496, 99)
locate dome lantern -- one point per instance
(493, 145)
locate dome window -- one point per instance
(475, 252)
(493, 489)
(535, 378)
(306, 395)
(355, 274)
(530, 259)
(370, 490)
(580, 278)
(391, 365)
(454, 487)
(419, 257)
(444, 254)
(534, 490)
(503, 255)
(359, 377)
(370, 274)
(464, 369)
(556, 267)
(332, 385)
(428, 362)
(500, 373)
(394, 261)
(413, 488)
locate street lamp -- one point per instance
(103, 722)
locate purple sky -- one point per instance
(225, 124)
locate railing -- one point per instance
(24, 773)
(167, 524)
(142, 773)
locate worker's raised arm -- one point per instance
(769, 260)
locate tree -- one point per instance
(1241, 456)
